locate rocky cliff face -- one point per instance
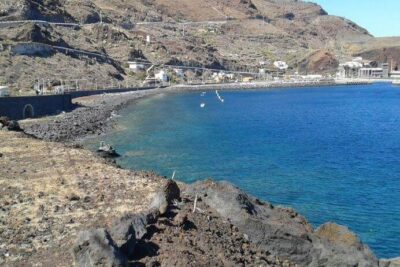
(256, 30)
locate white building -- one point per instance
(359, 68)
(136, 66)
(179, 72)
(382, 72)
(281, 65)
(161, 76)
(349, 69)
(370, 73)
(4, 91)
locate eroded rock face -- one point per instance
(336, 245)
(283, 231)
(96, 248)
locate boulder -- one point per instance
(14, 126)
(336, 245)
(4, 120)
(170, 191)
(128, 229)
(96, 248)
(159, 203)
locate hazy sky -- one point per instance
(379, 17)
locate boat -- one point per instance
(396, 82)
(202, 105)
(203, 94)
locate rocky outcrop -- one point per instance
(217, 217)
(9, 125)
(319, 62)
(96, 248)
(283, 231)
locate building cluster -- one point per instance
(360, 68)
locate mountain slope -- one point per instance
(253, 31)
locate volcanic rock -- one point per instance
(96, 248)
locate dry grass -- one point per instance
(50, 192)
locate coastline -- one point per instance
(95, 114)
(285, 235)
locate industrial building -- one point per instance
(358, 68)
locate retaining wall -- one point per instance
(17, 108)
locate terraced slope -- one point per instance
(249, 31)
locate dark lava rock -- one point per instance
(165, 197)
(128, 229)
(4, 120)
(74, 197)
(14, 126)
(96, 248)
(281, 230)
(171, 191)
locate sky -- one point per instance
(379, 17)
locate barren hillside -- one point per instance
(234, 35)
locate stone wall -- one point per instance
(17, 108)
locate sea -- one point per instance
(332, 153)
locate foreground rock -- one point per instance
(216, 224)
(284, 232)
(96, 248)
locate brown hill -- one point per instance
(253, 31)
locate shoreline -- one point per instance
(286, 236)
(95, 114)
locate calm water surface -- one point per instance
(331, 153)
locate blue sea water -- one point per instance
(332, 153)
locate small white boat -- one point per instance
(202, 105)
(203, 94)
(396, 82)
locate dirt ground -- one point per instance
(49, 192)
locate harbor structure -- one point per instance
(359, 68)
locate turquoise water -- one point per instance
(331, 153)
